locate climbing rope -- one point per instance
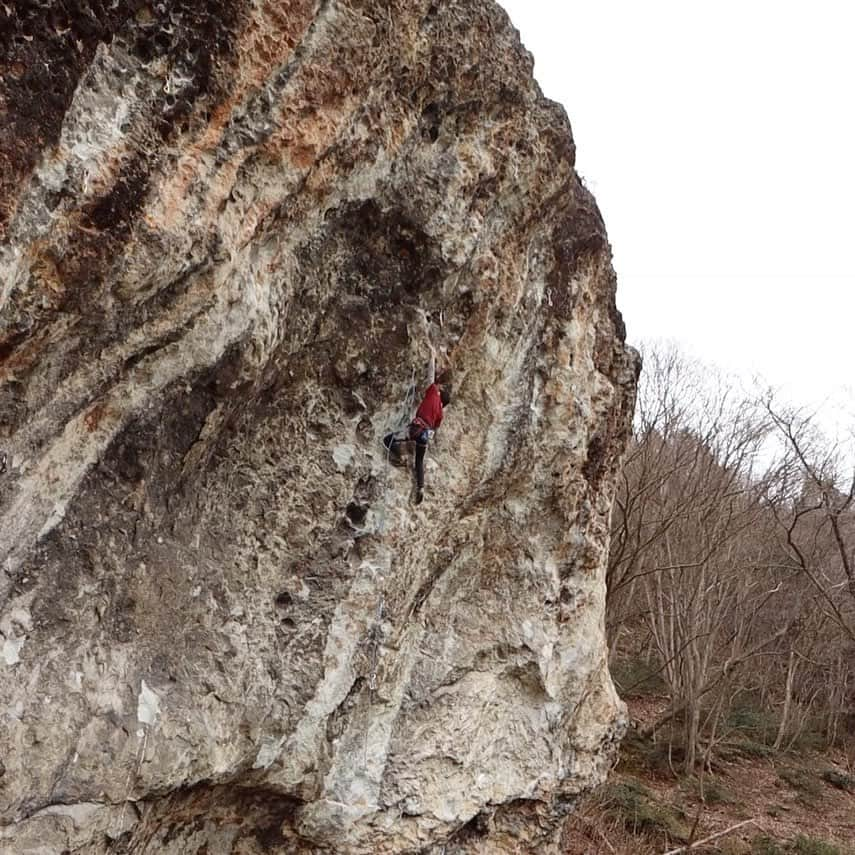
(373, 639)
(403, 421)
(130, 784)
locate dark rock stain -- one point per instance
(392, 260)
(45, 48)
(115, 211)
(594, 466)
(578, 238)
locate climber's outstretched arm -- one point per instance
(431, 374)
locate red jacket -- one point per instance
(430, 409)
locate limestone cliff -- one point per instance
(227, 231)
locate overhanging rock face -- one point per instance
(228, 231)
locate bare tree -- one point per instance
(725, 554)
(814, 504)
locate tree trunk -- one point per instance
(788, 697)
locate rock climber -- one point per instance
(427, 420)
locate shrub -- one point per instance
(735, 846)
(759, 725)
(636, 676)
(637, 808)
(643, 755)
(714, 791)
(764, 845)
(812, 738)
(839, 779)
(811, 846)
(801, 780)
(750, 748)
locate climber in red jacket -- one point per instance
(427, 420)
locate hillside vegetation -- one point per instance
(731, 620)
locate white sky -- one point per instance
(719, 140)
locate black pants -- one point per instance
(421, 437)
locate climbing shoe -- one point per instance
(394, 457)
(420, 494)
